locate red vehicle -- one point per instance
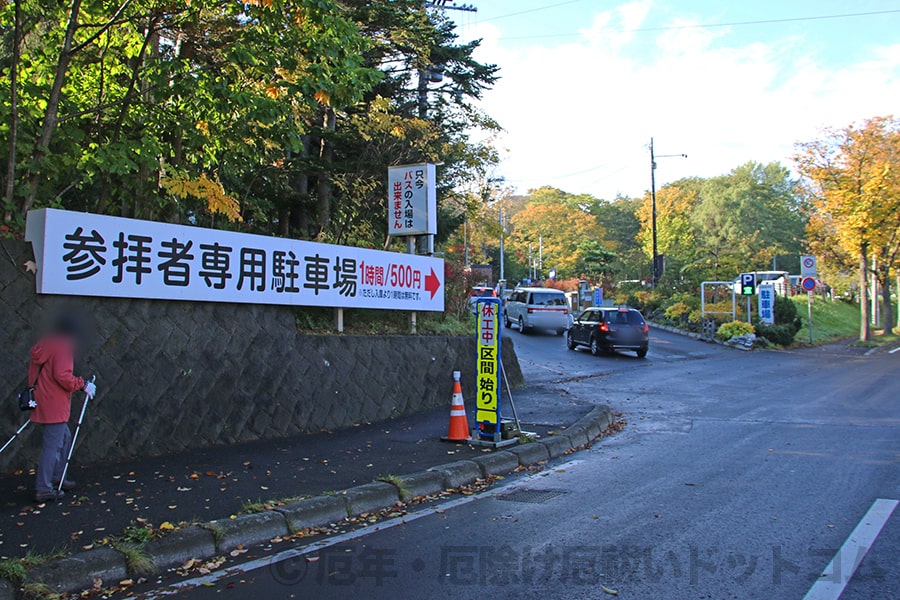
(480, 291)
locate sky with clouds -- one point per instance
(585, 84)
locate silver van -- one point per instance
(537, 308)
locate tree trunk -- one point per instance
(14, 115)
(865, 332)
(51, 115)
(299, 211)
(149, 33)
(887, 314)
(323, 188)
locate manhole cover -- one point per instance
(531, 496)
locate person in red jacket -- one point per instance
(51, 368)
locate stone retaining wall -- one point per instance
(178, 375)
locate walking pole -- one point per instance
(74, 438)
(15, 435)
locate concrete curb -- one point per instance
(695, 336)
(77, 572)
(425, 483)
(370, 497)
(497, 463)
(671, 329)
(247, 530)
(7, 590)
(313, 512)
(179, 546)
(459, 473)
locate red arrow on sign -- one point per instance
(432, 283)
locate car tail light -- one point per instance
(603, 327)
(646, 328)
(530, 310)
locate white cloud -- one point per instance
(594, 101)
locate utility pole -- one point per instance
(502, 273)
(653, 215)
(656, 270)
(451, 5)
(466, 239)
(540, 254)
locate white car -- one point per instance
(537, 308)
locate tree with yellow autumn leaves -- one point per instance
(853, 176)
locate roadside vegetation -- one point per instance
(282, 119)
(311, 320)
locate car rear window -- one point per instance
(548, 299)
(623, 317)
(483, 293)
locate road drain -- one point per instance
(531, 496)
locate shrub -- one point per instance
(782, 335)
(786, 313)
(734, 329)
(787, 323)
(677, 310)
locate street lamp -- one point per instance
(653, 157)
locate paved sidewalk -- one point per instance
(216, 482)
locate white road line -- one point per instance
(840, 570)
(259, 563)
(897, 349)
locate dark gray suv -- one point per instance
(608, 329)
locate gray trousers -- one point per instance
(55, 449)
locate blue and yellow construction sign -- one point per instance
(487, 376)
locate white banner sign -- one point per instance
(84, 254)
(766, 293)
(412, 200)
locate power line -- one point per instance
(711, 25)
(530, 10)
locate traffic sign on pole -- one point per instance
(808, 284)
(748, 284)
(767, 303)
(808, 266)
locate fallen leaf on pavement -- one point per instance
(609, 591)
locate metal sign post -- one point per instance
(748, 288)
(809, 301)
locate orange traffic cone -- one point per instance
(459, 425)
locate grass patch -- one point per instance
(527, 438)
(395, 481)
(879, 339)
(217, 531)
(39, 591)
(136, 560)
(250, 507)
(14, 569)
(359, 321)
(832, 320)
(137, 534)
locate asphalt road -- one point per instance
(738, 475)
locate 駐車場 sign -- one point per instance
(85, 254)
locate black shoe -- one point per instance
(51, 496)
(68, 485)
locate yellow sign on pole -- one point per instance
(487, 390)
